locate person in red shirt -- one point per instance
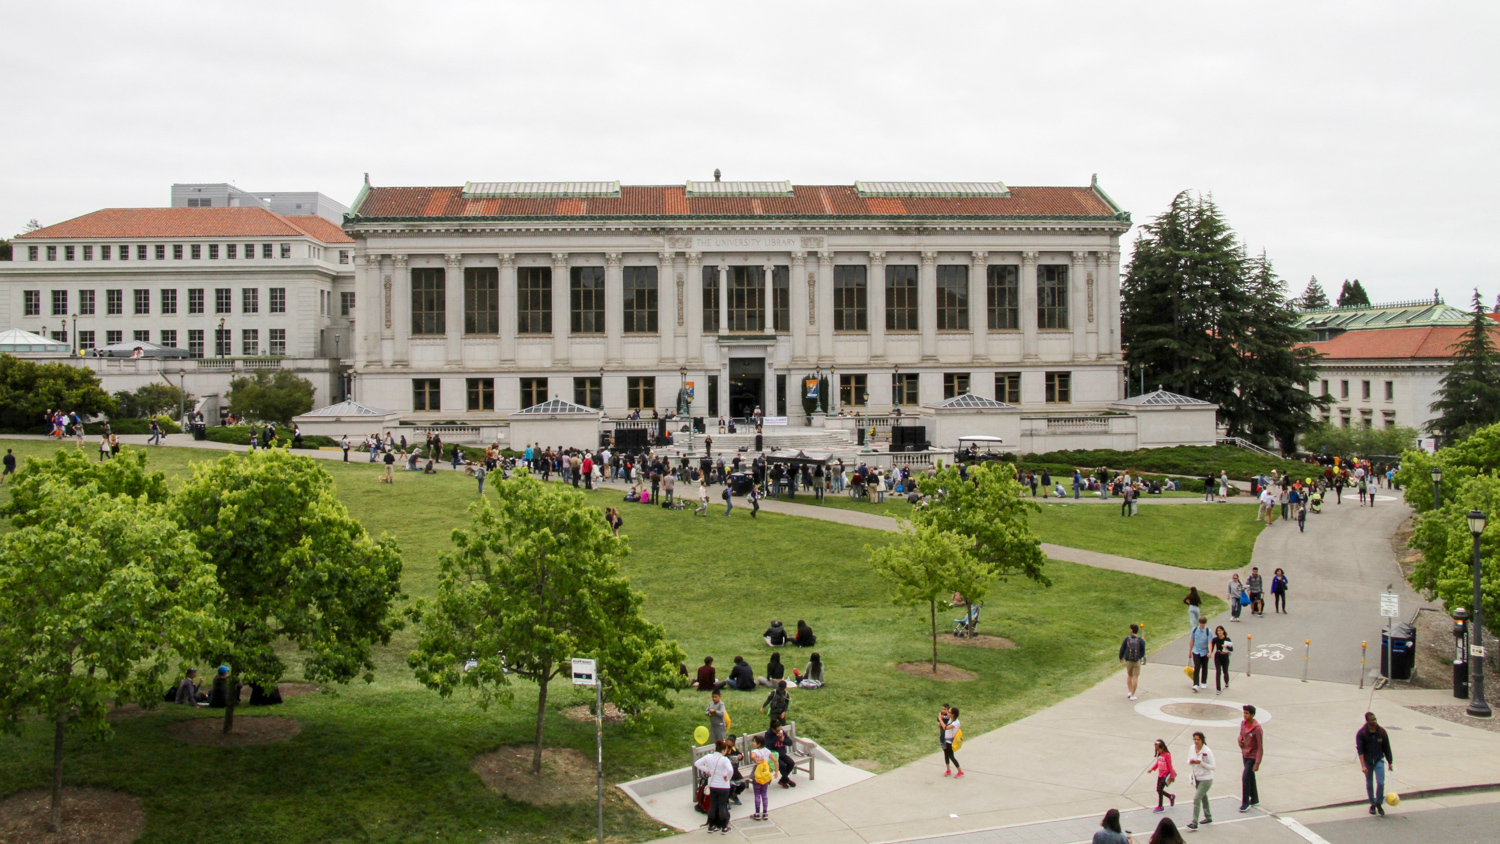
(706, 681)
(588, 471)
(1252, 744)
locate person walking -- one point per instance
(1278, 590)
(10, 465)
(952, 733)
(1165, 775)
(1301, 517)
(1077, 484)
(479, 473)
(344, 444)
(156, 433)
(702, 497)
(778, 702)
(1236, 590)
(1195, 607)
(1201, 762)
(754, 497)
(762, 772)
(1256, 585)
(390, 468)
(1373, 746)
(1252, 746)
(717, 768)
(1223, 487)
(1268, 506)
(718, 727)
(1202, 643)
(1109, 831)
(1133, 654)
(1222, 646)
(728, 499)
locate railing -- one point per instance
(920, 458)
(261, 363)
(1246, 444)
(451, 433)
(1077, 423)
(632, 424)
(215, 365)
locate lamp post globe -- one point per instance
(1478, 707)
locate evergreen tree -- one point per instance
(1353, 295)
(1313, 298)
(1469, 397)
(1205, 321)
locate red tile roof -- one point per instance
(1434, 342)
(671, 200)
(191, 222)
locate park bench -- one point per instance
(802, 755)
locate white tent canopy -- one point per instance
(138, 349)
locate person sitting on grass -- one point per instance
(775, 671)
(805, 637)
(707, 681)
(188, 691)
(812, 676)
(741, 677)
(429, 469)
(775, 635)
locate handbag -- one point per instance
(1244, 599)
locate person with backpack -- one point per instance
(953, 739)
(778, 701)
(1133, 654)
(728, 500)
(717, 768)
(760, 779)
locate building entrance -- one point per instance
(747, 381)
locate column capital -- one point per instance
(399, 261)
(929, 258)
(1104, 257)
(372, 260)
(799, 258)
(825, 258)
(507, 260)
(693, 259)
(1029, 258)
(455, 260)
(1080, 257)
(980, 258)
(612, 259)
(666, 258)
(560, 259)
(877, 258)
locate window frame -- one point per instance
(249, 300)
(952, 297)
(223, 300)
(1002, 289)
(114, 302)
(31, 303)
(533, 391)
(481, 302)
(426, 394)
(59, 302)
(533, 301)
(711, 293)
(480, 393)
(276, 342)
(1052, 297)
(746, 292)
(429, 301)
(167, 300)
(86, 303)
(195, 342)
(851, 302)
(586, 311)
(853, 388)
(1059, 388)
(1008, 388)
(276, 300)
(640, 300)
(640, 392)
(903, 306)
(906, 389)
(140, 301)
(957, 384)
(588, 390)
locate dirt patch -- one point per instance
(945, 673)
(125, 713)
(866, 765)
(295, 689)
(1457, 715)
(262, 729)
(612, 715)
(567, 776)
(89, 816)
(982, 641)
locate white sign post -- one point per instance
(1390, 605)
(586, 673)
(1390, 608)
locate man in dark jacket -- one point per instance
(742, 676)
(776, 635)
(1374, 749)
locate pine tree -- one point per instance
(1313, 298)
(1353, 295)
(1469, 397)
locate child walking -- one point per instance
(1165, 774)
(760, 779)
(952, 729)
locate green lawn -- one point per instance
(390, 761)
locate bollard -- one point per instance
(1306, 649)
(1362, 646)
(1248, 648)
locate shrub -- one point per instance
(132, 426)
(240, 435)
(1192, 460)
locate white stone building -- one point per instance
(480, 300)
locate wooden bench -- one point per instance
(801, 750)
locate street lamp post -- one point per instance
(219, 339)
(682, 371)
(75, 335)
(1477, 705)
(1437, 487)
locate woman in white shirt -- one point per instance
(719, 770)
(1201, 759)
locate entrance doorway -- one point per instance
(747, 379)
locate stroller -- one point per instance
(965, 628)
(1317, 502)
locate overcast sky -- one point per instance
(1349, 140)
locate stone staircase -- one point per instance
(778, 437)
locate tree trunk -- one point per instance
(541, 716)
(231, 695)
(57, 757)
(932, 605)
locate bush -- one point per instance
(132, 426)
(240, 435)
(265, 397)
(1193, 460)
(151, 400)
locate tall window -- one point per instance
(276, 344)
(286, 250)
(640, 302)
(849, 308)
(278, 300)
(250, 342)
(1325, 392)
(67, 253)
(114, 302)
(640, 392)
(88, 252)
(1008, 387)
(713, 395)
(223, 300)
(221, 343)
(1390, 392)
(52, 253)
(265, 251)
(747, 298)
(213, 251)
(169, 301)
(586, 297)
(161, 252)
(85, 303)
(1003, 297)
(231, 250)
(904, 388)
(250, 300)
(104, 251)
(481, 393)
(33, 302)
(177, 252)
(955, 384)
(1059, 387)
(952, 297)
(852, 390)
(429, 300)
(1343, 389)
(140, 335)
(1052, 296)
(533, 392)
(169, 337)
(195, 300)
(142, 301)
(781, 300)
(86, 341)
(533, 301)
(113, 337)
(588, 391)
(1364, 390)
(426, 394)
(710, 298)
(140, 251)
(59, 303)
(196, 251)
(901, 298)
(195, 342)
(346, 303)
(481, 302)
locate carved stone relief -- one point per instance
(387, 283)
(681, 284)
(812, 298)
(1091, 296)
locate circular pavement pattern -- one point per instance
(1196, 712)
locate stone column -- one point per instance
(507, 309)
(979, 312)
(614, 308)
(1077, 304)
(768, 274)
(693, 313)
(1109, 297)
(1092, 298)
(927, 305)
(453, 310)
(561, 322)
(1028, 304)
(798, 310)
(401, 309)
(670, 316)
(374, 306)
(875, 305)
(723, 298)
(823, 307)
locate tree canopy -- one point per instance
(1468, 397)
(1313, 298)
(292, 565)
(29, 389)
(1203, 319)
(533, 582)
(1353, 294)
(100, 594)
(150, 400)
(124, 476)
(989, 509)
(1332, 439)
(926, 565)
(265, 397)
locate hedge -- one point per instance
(132, 426)
(240, 435)
(1192, 460)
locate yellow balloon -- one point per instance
(1393, 798)
(700, 735)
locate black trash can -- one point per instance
(199, 432)
(740, 483)
(699, 427)
(859, 435)
(1398, 652)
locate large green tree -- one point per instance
(150, 400)
(99, 595)
(987, 507)
(293, 566)
(926, 565)
(125, 476)
(29, 389)
(1313, 298)
(1469, 394)
(265, 397)
(533, 582)
(1353, 294)
(1204, 320)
